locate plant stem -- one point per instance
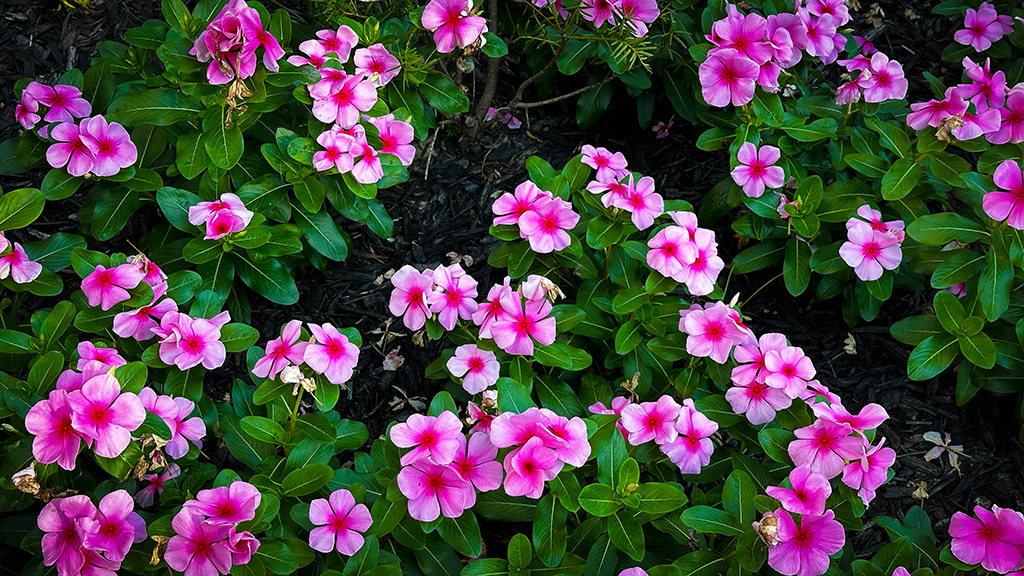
(295, 412)
(763, 286)
(525, 105)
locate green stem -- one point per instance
(295, 412)
(763, 286)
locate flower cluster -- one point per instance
(339, 523)
(872, 246)
(97, 414)
(453, 24)
(877, 79)
(634, 14)
(223, 216)
(329, 352)
(543, 442)
(542, 218)
(983, 26)
(187, 342)
(621, 189)
(175, 414)
(230, 42)
(682, 431)
(713, 330)
(16, 263)
(686, 253)
(62, 103)
(81, 538)
(93, 146)
(206, 540)
(995, 539)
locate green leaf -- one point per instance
(959, 266)
(121, 465)
(486, 566)
(933, 355)
(520, 552)
(561, 355)
(796, 268)
(494, 46)
(603, 232)
(599, 500)
(191, 158)
(592, 104)
(322, 233)
(221, 138)
(602, 558)
(817, 130)
(630, 299)
(867, 164)
(306, 480)
(263, 429)
(759, 256)
(58, 184)
(978, 349)
(238, 337)
(914, 329)
(310, 193)
(892, 135)
(444, 95)
(948, 168)
(768, 107)
(113, 209)
(463, 533)
(938, 229)
(549, 531)
(159, 106)
(900, 179)
(738, 496)
(54, 253)
(949, 312)
(626, 534)
(628, 337)
(316, 426)
(708, 520)
(659, 498)
(379, 221)
(268, 278)
(995, 284)
(19, 208)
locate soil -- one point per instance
(443, 212)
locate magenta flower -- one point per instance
(112, 149)
(528, 467)
(934, 112)
(816, 391)
(804, 551)
(822, 36)
(490, 310)
(612, 189)
(870, 252)
(146, 495)
(642, 202)
(476, 462)
(139, 323)
(339, 522)
(337, 154)
(70, 150)
(477, 368)
(342, 100)
(1011, 127)
(746, 34)
(756, 169)
(339, 42)
(430, 437)
(282, 351)
(333, 355)
(981, 28)
(713, 331)
(17, 265)
(637, 14)
(198, 548)
(874, 218)
(568, 438)
(509, 208)
(661, 129)
(808, 495)
(102, 413)
(609, 166)
(727, 76)
(750, 357)
(105, 287)
(187, 342)
(223, 216)
(835, 8)
(114, 527)
(184, 429)
(599, 11)
(452, 296)
(869, 472)
(377, 64)
(231, 504)
(987, 90)
(395, 136)
(230, 43)
(670, 250)
(789, 369)
(523, 324)
(366, 166)
(995, 540)
(26, 112)
(1007, 205)
(978, 124)
(757, 400)
(452, 23)
(56, 440)
(65, 102)
(88, 352)
(825, 447)
(96, 565)
(692, 449)
(433, 490)
(314, 55)
(870, 416)
(545, 226)
(700, 274)
(61, 520)
(651, 421)
(886, 81)
(409, 298)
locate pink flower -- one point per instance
(377, 64)
(452, 296)
(727, 76)
(612, 189)
(230, 43)
(225, 505)
(115, 526)
(523, 324)
(139, 323)
(475, 461)
(869, 251)
(491, 310)
(528, 467)
(56, 439)
(804, 551)
(1011, 128)
(745, 34)
(187, 342)
(981, 28)
(282, 351)
(870, 416)
(112, 149)
(661, 129)
(342, 100)
(874, 217)
(995, 540)
(146, 495)
(430, 437)
(108, 356)
(433, 490)
(692, 449)
(184, 429)
(338, 145)
(700, 274)
(70, 149)
(17, 265)
(979, 124)
(395, 136)
(198, 548)
(339, 42)
(333, 355)
(757, 400)
(477, 368)
(96, 565)
(671, 250)
(452, 24)
(339, 522)
(987, 90)
(825, 446)
(105, 287)
(222, 217)
(61, 520)
(568, 438)
(609, 166)
(242, 546)
(808, 495)
(636, 14)
(816, 392)
(102, 413)
(713, 331)
(934, 112)
(409, 298)
(599, 11)
(1007, 205)
(643, 203)
(26, 111)
(789, 369)
(756, 170)
(886, 81)
(65, 102)
(366, 166)
(750, 357)
(315, 53)
(509, 208)
(869, 472)
(651, 421)
(822, 36)
(545, 226)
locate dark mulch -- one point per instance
(445, 214)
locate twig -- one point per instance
(526, 105)
(491, 87)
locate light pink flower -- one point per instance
(477, 368)
(789, 369)
(978, 124)
(642, 202)
(728, 77)
(757, 400)
(61, 521)
(315, 55)
(523, 324)
(545, 225)
(808, 495)
(339, 42)
(452, 296)
(756, 169)
(342, 100)
(140, 322)
(332, 355)
(26, 111)
(1007, 205)
(112, 149)
(981, 28)
(816, 392)
(750, 357)
(17, 265)
(56, 439)
(115, 527)
(145, 496)
(612, 189)
(670, 250)
(713, 331)
(870, 416)
(995, 540)
(409, 298)
(805, 551)
(874, 218)
(430, 437)
(651, 421)
(825, 446)
(338, 145)
(609, 165)
(835, 8)
(184, 429)
(433, 489)
(339, 523)
(746, 34)
(224, 216)
(637, 14)
(870, 252)
(377, 64)
(452, 24)
(366, 166)
(886, 81)
(226, 505)
(692, 449)
(987, 89)
(567, 437)
(104, 414)
(491, 310)
(822, 36)
(869, 472)
(198, 548)
(187, 342)
(87, 352)
(476, 462)
(700, 275)
(395, 136)
(528, 467)
(70, 150)
(282, 351)
(65, 102)
(509, 208)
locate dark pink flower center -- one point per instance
(476, 364)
